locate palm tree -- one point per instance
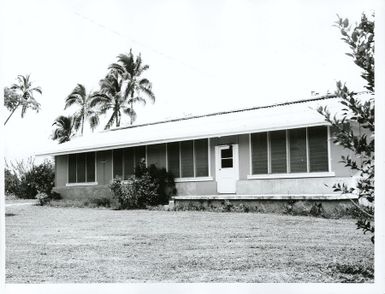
(110, 98)
(80, 97)
(24, 90)
(135, 89)
(64, 127)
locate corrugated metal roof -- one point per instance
(287, 115)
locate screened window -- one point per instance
(81, 167)
(140, 154)
(72, 168)
(297, 142)
(278, 152)
(293, 151)
(173, 159)
(117, 157)
(90, 166)
(318, 149)
(188, 158)
(126, 160)
(201, 158)
(259, 153)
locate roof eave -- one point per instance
(168, 140)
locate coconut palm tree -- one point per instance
(64, 127)
(80, 98)
(25, 96)
(110, 98)
(135, 88)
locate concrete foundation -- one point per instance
(322, 208)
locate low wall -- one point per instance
(324, 208)
(84, 192)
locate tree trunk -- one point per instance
(11, 113)
(132, 108)
(117, 120)
(82, 124)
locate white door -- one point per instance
(227, 170)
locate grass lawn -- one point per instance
(48, 244)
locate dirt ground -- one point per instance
(84, 245)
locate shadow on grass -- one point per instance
(9, 214)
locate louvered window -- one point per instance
(293, 151)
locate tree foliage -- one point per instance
(21, 94)
(120, 90)
(134, 88)
(80, 98)
(354, 129)
(25, 179)
(64, 126)
(110, 99)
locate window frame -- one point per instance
(289, 174)
(178, 179)
(85, 183)
(123, 163)
(194, 178)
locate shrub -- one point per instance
(316, 209)
(358, 272)
(163, 179)
(150, 186)
(136, 192)
(11, 182)
(39, 179)
(227, 206)
(43, 198)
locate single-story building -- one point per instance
(281, 151)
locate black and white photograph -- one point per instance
(192, 143)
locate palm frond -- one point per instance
(98, 99)
(116, 67)
(63, 130)
(138, 99)
(77, 96)
(131, 113)
(71, 100)
(149, 93)
(33, 104)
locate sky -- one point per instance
(204, 56)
